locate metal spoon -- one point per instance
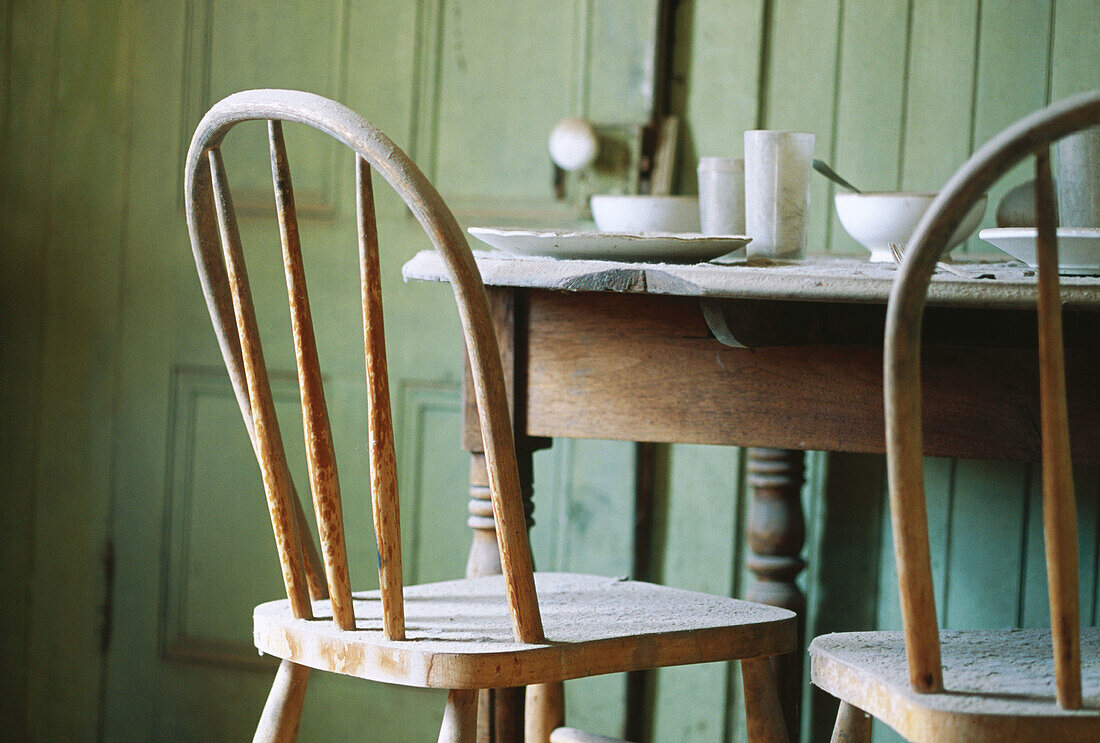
(829, 173)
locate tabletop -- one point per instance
(1005, 285)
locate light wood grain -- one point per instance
(320, 452)
(269, 441)
(853, 725)
(383, 460)
(575, 735)
(593, 352)
(459, 635)
(902, 361)
(459, 717)
(283, 709)
(439, 224)
(1059, 506)
(544, 712)
(998, 685)
(763, 714)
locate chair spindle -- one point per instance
(269, 443)
(1059, 507)
(383, 461)
(320, 452)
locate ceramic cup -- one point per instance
(1078, 179)
(777, 191)
(722, 195)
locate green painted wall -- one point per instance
(107, 365)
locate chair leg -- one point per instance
(544, 712)
(460, 717)
(853, 725)
(763, 714)
(283, 709)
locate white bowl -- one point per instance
(875, 220)
(646, 213)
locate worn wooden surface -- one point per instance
(818, 278)
(853, 725)
(283, 710)
(997, 685)
(459, 635)
(102, 324)
(906, 374)
(1059, 503)
(595, 352)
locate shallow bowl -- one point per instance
(630, 214)
(875, 220)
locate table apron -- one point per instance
(646, 368)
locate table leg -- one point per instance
(776, 531)
(501, 711)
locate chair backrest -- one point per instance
(218, 255)
(1029, 136)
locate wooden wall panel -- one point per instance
(1014, 48)
(704, 487)
(80, 186)
(26, 145)
(589, 520)
(802, 52)
(869, 123)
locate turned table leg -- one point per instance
(501, 711)
(776, 531)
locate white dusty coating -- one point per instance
(459, 634)
(1004, 673)
(1005, 285)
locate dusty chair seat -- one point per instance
(999, 685)
(459, 635)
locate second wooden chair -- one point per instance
(1008, 685)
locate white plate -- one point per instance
(1078, 248)
(671, 247)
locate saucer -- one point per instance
(1078, 247)
(647, 247)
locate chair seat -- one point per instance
(999, 685)
(459, 634)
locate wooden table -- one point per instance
(781, 358)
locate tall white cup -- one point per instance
(722, 195)
(777, 191)
(1079, 179)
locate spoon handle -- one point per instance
(829, 173)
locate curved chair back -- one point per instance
(220, 260)
(1029, 136)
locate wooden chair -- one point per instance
(461, 635)
(983, 685)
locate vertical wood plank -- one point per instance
(597, 520)
(870, 104)
(800, 91)
(1013, 55)
(80, 187)
(1072, 67)
(716, 83)
(29, 70)
(703, 486)
(939, 480)
(987, 519)
(938, 108)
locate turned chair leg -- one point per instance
(283, 709)
(763, 714)
(544, 712)
(853, 725)
(460, 717)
